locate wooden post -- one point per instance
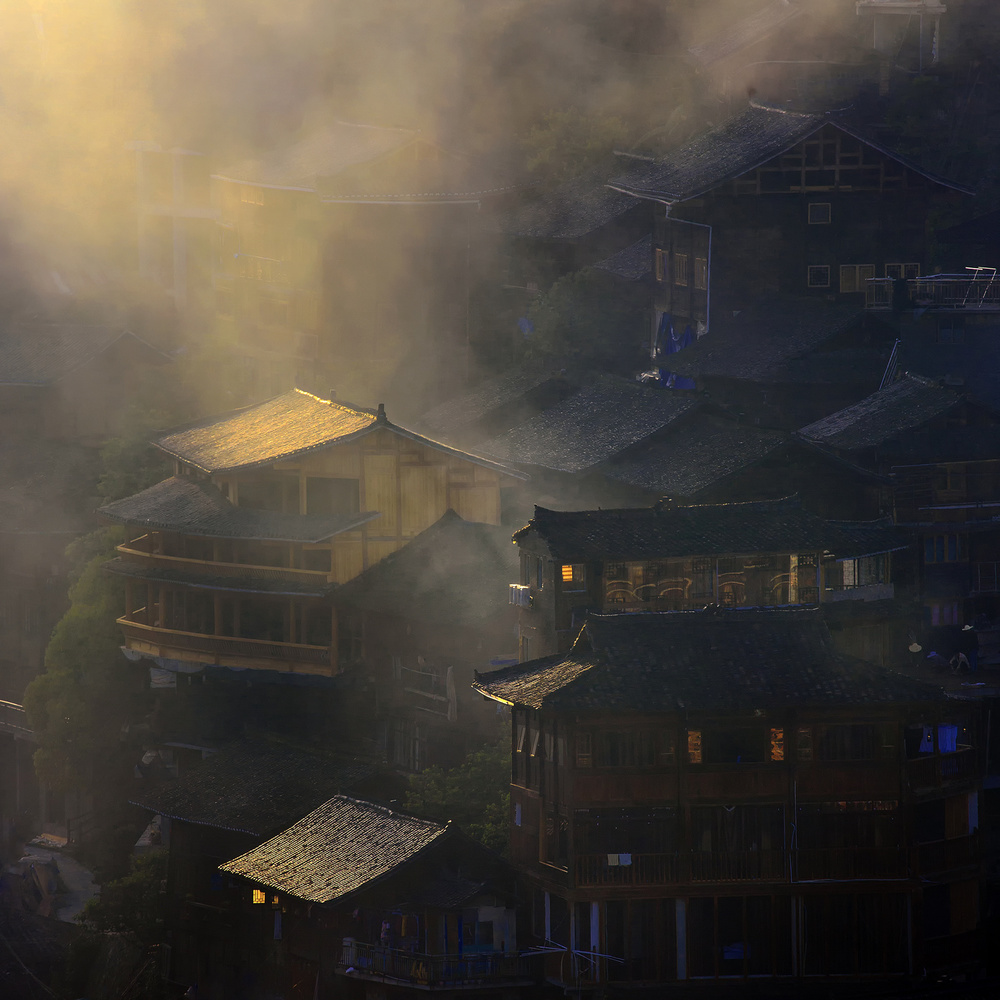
(217, 614)
(334, 665)
(236, 617)
(291, 622)
(128, 599)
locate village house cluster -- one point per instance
(737, 612)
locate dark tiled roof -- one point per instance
(701, 661)
(256, 787)
(758, 343)
(602, 419)
(568, 212)
(902, 406)
(850, 366)
(664, 531)
(290, 424)
(41, 353)
(633, 263)
(455, 572)
(745, 32)
(244, 581)
(335, 147)
(338, 848)
(695, 456)
(196, 507)
(455, 417)
(744, 142)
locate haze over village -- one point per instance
(499, 498)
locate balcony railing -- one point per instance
(947, 855)
(625, 869)
(432, 971)
(208, 567)
(938, 291)
(224, 649)
(934, 771)
(851, 863)
(737, 866)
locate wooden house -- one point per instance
(668, 557)
(774, 201)
(229, 562)
(357, 900)
(700, 796)
(427, 617)
(939, 448)
(348, 254)
(214, 809)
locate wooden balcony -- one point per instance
(738, 866)
(224, 650)
(208, 567)
(852, 863)
(625, 869)
(936, 770)
(433, 972)
(948, 855)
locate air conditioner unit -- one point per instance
(519, 595)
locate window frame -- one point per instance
(810, 213)
(816, 271)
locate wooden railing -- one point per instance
(211, 646)
(430, 971)
(947, 855)
(852, 862)
(208, 567)
(625, 869)
(932, 771)
(737, 866)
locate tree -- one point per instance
(475, 794)
(568, 143)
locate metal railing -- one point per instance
(976, 291)
(210, 646)
(625, 869)
(430, 971)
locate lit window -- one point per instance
(574, 577)
(259, 897)
(660, 258)
(818, 276)
(819, 213)
(680, 269)
(694, 746)
(777, 744)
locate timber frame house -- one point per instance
(230, 561)
(720, 794)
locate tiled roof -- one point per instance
(256, 786)
(742, 143)
(290, 424)
(694, 457)
(747, 31)
(712, 660)
(758, 343)
(602, 419)
(633, 263)
(41, 353)
(902, 406)
(455, 572)
(859, 366)
(335, 147)
(196, 507)
(286, 425)
(665, 531)
(338, 848)
(568, 212)
(456, 417)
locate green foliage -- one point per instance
(131, 905)
(475, 794)
(582, 317)
(567, 143)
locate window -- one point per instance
(944, 548)
(332, 496)
(584, 755)
(777, 744)
(574, 577)
(680, 269)
(694, 746)
(660, 262)
(539, 573)
(818, 276)
(701, 273)
(897, 271)
(259, 897)
(951, 330)
(819, 213)
(846, 742)
(853, 277)
(251, 195)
